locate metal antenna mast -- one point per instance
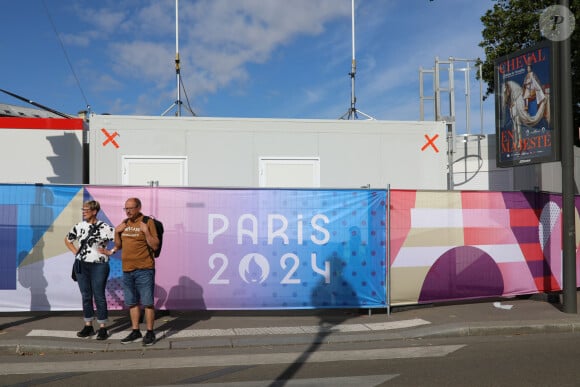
(352, 113)
(177, 102)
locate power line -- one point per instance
(65, 53)
(35, 104)
(188, 106)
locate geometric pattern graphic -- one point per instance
(462, 273)
(467, 245)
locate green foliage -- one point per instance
(512, 25)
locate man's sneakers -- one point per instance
(133, 336)
(102, 334)
(87, 331)
(149, 339)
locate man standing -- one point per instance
(138, 240)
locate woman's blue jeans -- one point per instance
(92, 280)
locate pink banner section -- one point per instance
(467, 245)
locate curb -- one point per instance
(496, 328)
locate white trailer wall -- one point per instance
(226, 152)
(41, 150)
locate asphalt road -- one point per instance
(519, 360)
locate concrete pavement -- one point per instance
(34, 332)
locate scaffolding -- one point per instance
(442, 95)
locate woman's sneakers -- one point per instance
(87, 331)
(102, 334)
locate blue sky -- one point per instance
(239, 58)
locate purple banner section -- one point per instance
(260, 249)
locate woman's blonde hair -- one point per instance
(93, 205)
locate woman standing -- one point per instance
(91, 266)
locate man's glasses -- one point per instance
(129, 208)
(86, 210)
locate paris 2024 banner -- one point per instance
(252, 249)
(222, 248)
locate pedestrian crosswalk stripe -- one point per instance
(358, 381)
(310, 329)
(228, 360)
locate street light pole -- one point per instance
(567, 148)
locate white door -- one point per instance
(169, 171)
(289, 172)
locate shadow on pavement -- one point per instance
(27, 320)
(332, 292)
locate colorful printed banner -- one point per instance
(468, 245)
(222, 249)
(292, 249)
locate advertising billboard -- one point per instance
(524, 106)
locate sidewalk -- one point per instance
(56, 331)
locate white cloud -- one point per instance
(79, 40)
(222, 36)
(218, 39)
(104, 82)
(149, 62)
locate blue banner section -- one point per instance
(271, 249)
(27, 212)
(38, 207)
(8, 214)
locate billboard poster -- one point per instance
(524, 106)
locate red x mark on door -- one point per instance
(430, 141)
(110, 138)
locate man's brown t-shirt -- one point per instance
(135, 253)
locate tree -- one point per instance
(512, 25)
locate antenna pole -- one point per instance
(177, 69)
(352, 113)
(353, 68)
(177, 103)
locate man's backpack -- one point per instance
(159, 228)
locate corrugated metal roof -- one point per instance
(7, 110)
